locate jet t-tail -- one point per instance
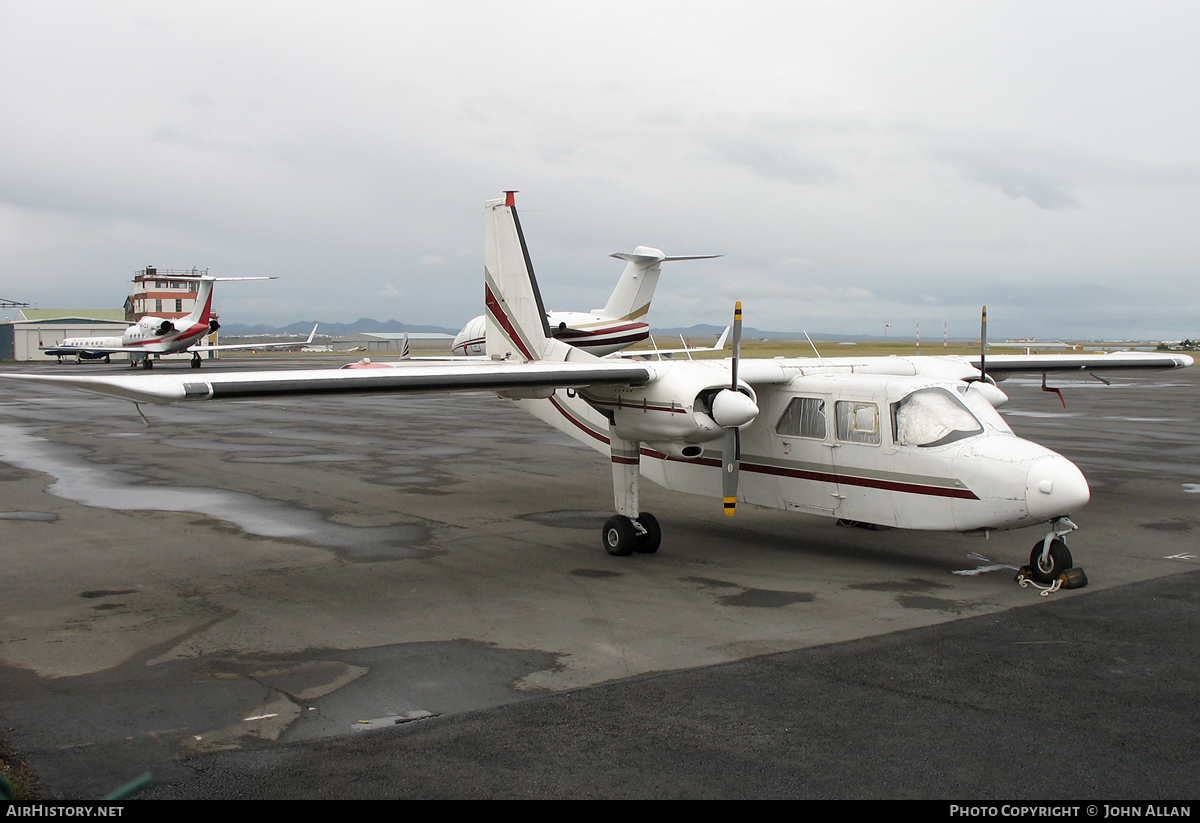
(611, 329)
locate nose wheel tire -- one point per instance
(1058, 560)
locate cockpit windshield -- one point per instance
(932, 417)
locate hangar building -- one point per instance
(20, 338)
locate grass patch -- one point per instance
(17, 780)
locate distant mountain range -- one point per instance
(366, 324)
(302, 328)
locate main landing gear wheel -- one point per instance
(648, 543)
(1057, 561)
(623, 536)
(619, 536)
(195, 360)
(147, 362)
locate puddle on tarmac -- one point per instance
(107, 488)
(433, 451)
(195, 444)
(570, 519)
(47, 517)
(766, 598)
(306, 458)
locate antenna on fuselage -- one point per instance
(814, 347)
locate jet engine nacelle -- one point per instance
(213, 325)
(678, 407)
(165, 327)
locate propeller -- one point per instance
(731, 410)
(982, 379)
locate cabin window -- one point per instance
(804, 417)
(932, 417)
(857, 422)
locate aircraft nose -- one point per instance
(1055, 486)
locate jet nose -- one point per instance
(1055, 486)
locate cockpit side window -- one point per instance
(857, 422)
(804, 417)
(932, 417)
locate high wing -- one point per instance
(511, 379)
(1005, 364)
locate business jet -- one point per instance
(162, 335)
(904, 442)
(601, 331)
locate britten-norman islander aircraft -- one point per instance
(600, 331)
(162, 335)
(906, 442)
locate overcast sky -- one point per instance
(856, 163)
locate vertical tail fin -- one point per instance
(202, 311)
(631, 298)
(516, 318)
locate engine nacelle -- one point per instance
(213, 325)
(677, 407)
(165, 327)
(990, 392)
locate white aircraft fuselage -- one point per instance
(586, 331)
(983, 479)
(162, 335)
(150, 335)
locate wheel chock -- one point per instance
(1073, 578)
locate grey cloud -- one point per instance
(1050, 175)
(1015, 176)
(776, 162)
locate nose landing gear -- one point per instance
(1050, 562)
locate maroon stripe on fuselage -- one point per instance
(853, 480)
(800, 474)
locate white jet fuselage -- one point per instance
(590, 332)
